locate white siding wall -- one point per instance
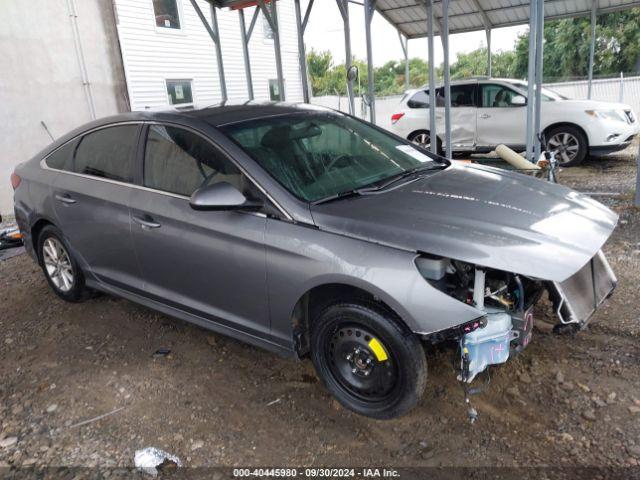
(153, 55)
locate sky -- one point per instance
(325, 32)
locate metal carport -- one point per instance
(428, 18)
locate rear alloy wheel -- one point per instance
(371, 363)
(60, 269)
(568, 144)
(422, 138)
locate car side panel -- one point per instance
(300, 258)
(97, 226)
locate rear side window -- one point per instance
(62, 158)
(419, 100)
(108, 153)
(463, 96)
(179, 161)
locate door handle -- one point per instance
(485, 115)
(66, 199)
(146, 222)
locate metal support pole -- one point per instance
(488, 33)
(444, 36)
(245, 51)
(637, 199)
(369, 9)
(301, 50)
(433, 130)
(212, 30)
(539, 72)
(621, 91)
(271, 14)
(592, 45)
(531, 76)
(343, 5)
(404, 43)
(73, 15)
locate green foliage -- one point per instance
(566, 46)
(566, 55)
(474, 64)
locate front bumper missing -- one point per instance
(579, 296)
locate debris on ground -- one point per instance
(153, 460)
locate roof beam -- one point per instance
(548, 4)
(485, 17)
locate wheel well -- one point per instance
(35, 232)
(314, 301)
(567, 124)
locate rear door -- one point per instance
(499, 121)
(91, 196)
(209, 263)
(463, 116)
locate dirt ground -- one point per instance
(565, 401)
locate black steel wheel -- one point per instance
(368, 360)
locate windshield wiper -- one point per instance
(338, 196)
(375, 188)
(402, 175)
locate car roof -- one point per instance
(219, 115)
(468, 81)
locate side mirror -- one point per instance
(221, 196)
(518, 101)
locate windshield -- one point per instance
(320, 155)
(548, 95)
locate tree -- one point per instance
(566, 46)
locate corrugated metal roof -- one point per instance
(410, 16)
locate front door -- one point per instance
(91, 196)
(500, 121)
(208, 263)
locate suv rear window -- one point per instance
(419, 100)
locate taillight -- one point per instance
(15, 180)
(395, 117)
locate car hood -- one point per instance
(481, 215)
(592, 105)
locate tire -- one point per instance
(350, 339)
(422, 138)
(64, 276)
(569, 144)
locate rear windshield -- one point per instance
(318, 155)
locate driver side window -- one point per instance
(179, 161)
(497, 96)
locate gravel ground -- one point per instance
(566, 401)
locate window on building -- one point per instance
(179, 92)
(108, 153)
(179, 161)
(274, 90)
(167, 13)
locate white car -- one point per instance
(487, 113)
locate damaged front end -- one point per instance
(507, 300)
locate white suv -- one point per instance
(487, 113)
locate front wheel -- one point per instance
(371, 363)
(568, 143)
